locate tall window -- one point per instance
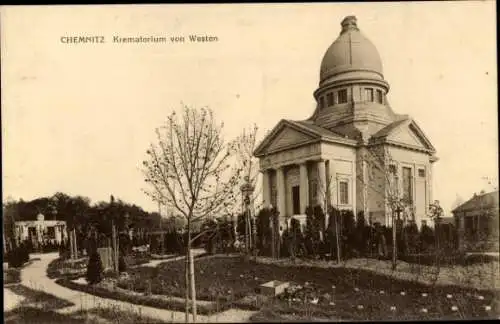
(407, 184)
(342, 96)
(380, 96)
(329, 99)
(296, 200)
(344, 193)
(369, 94)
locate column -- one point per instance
(266, 189)
(322, 183)
(332, 180)
(366, 207)
(281, 188)
(304, 188)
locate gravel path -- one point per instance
(10, 300)
(35, 275)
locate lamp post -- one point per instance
(247, 190)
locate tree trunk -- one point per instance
(394, 247)
(186, 273)
(71, 249)
(337, 238)
(76, 243)
(273, 244)
(113, 241)
(192, 283)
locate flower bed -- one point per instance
(315, 292)
(235, 281)
(67, 268)
(108, 290)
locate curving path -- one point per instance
(35, 276)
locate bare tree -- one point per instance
(326, 192)
(245, 161)
(189, 170)
(383, 179)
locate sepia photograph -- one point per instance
(267, 162)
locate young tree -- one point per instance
(188, 169)
(382, 178)
(436, 214)
(326, 192)
(245, 161)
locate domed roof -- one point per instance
(350, 52)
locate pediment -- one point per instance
(410, 134)
(284, 135)
(287, 137)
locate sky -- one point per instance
(78, 118)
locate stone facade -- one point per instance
(354, 152)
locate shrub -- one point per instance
(264, 231)
(19, 255)
(331, 231)
(411, 238)
(427, 238)
(94, 269)
(349, 242)
(315, 224)
(122, 264)
(296, 238)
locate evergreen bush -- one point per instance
(264, 231)
(94, 269)
(122, 264)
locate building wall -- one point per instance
(478, 243)
(421, 185)
(341, 167)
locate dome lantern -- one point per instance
(349, 23)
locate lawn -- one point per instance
(40, 299)
(40, 307)
(77, 268)
(339, 292)
(30, 314)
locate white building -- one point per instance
(352, 122)
(41, 230)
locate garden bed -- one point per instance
(106, 290)
(317, 292)
(235, 282)
(67, 268)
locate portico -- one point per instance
(307, 172)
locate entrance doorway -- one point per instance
(296, 200)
